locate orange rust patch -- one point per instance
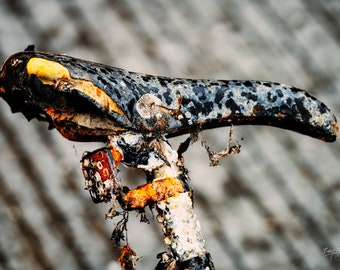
(67, 132)
(117, 155)
(335, 128)
(156, 191)
(55, 115)
(59, 117)
(127, 257)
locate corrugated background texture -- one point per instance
(273, 206)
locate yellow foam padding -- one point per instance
(52, 73)
(47, 70)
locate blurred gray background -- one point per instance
(273, 206)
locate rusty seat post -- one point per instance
(169, 191)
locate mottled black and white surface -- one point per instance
(148, 104)
(273, 206)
